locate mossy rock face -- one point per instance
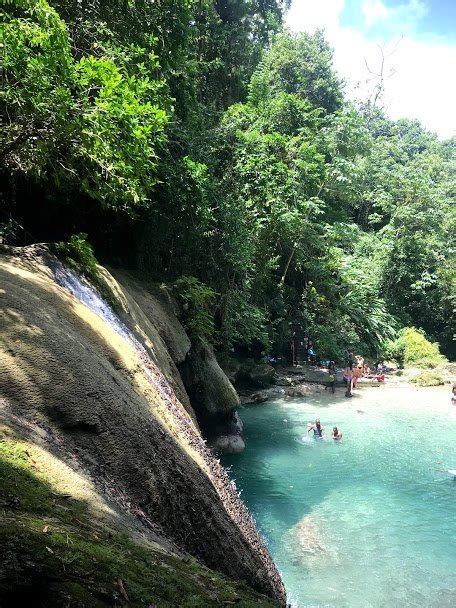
(211, 392)
(53, 553)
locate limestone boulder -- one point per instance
(261, 375)
(228, 444)
(210, 391)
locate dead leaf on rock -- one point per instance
(120, 584)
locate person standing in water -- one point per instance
(336, 435)
(356, 375)
(317, 429)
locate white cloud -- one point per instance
(373, 10)
(423, 85)
(404, 15)
(307, 15)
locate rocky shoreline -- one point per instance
(286, 382)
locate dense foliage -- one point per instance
(411, 349)
(201, 143)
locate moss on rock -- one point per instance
(53, 553)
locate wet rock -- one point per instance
(255, 398)
(285, 381)
(228, 444)
(262, 396)
(237, 422)
(303, 390)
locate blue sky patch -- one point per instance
(386, 19)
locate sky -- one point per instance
(418, 40)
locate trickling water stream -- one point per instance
(84, 292)
(369, 521)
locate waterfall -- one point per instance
(85, 293)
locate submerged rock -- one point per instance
(308, 542)
(260, 397)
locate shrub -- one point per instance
(428, 378)
(198, 302)
(77, 253)
(412, 349)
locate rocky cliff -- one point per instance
(151, 313)
(100, 392)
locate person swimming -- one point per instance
(317, 429)
(336, 435)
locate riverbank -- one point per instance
(308, 380)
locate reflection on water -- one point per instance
(368, 521)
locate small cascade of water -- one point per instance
(85, 293)
(226, 489)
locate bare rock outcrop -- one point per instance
(65, 369)
(208, 386)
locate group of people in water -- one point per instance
(319, 431)
(355, 368)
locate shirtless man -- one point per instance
(357, 374)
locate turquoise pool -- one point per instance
(369, 521)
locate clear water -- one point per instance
(369, 521)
